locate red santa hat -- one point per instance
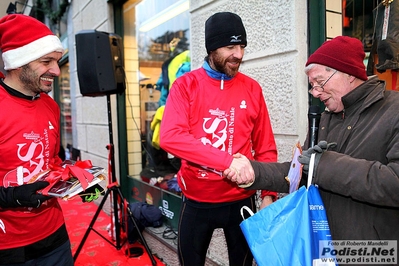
(24, 39)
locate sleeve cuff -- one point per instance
(272, 194)
(246, 185)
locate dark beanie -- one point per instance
(223, 29)
(342, 53)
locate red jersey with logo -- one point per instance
(205, 122)
(29, 139)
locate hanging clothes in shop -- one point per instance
(386, 38)
(156, 127)
(175, 66)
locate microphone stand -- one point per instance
(314, 120)
(119, 203)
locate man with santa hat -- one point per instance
(32, 227)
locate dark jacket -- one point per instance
(359, 179)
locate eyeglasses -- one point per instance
(320, 88)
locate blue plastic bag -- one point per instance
(288, 231)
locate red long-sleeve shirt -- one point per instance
(205, 122)
(29, 137)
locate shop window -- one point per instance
(375, 24)
(163, 33)
(65, 106)
(358, 20)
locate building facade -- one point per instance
(275, 56)
(281, 35)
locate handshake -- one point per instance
(242, 172)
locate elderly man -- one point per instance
(358, 176)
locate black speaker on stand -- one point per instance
(99, 63)
(99, 57)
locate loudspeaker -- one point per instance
(99, 57)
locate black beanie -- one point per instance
(223, 29)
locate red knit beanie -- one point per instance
(24, 39)
(342, 53)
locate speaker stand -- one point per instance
(114, 189)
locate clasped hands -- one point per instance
(240, 171)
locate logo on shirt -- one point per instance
(32, 136)
(202, 174)
(243, 104)
(216, 132)
(34, 154)
(50, 126)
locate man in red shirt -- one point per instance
(212, 113)
(32, 228)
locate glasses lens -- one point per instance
(317, 88)
(320, 88)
